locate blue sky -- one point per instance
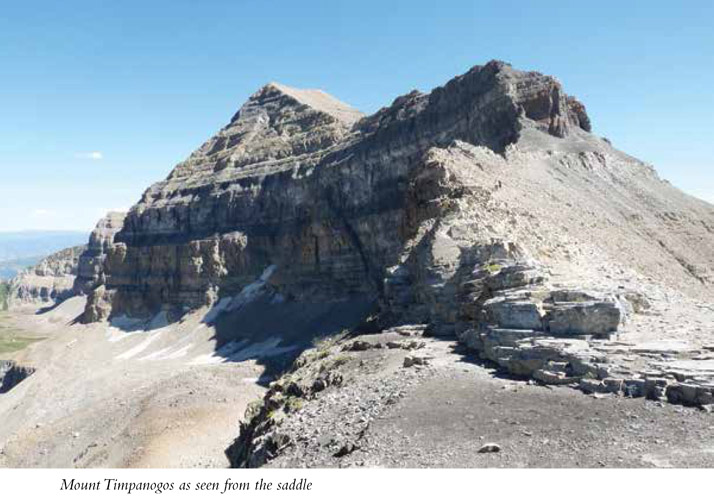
(99, 99)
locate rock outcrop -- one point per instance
(94, 264)
(50, 281)
(397, 260)
(74, 271)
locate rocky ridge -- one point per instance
(402, 399)
(68, 273)
(288, 174)
(406, 208)
(49, 282)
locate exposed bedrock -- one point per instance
(395, 208)
(560, 337)
(50, 281)
(95, 262)
(90, 268)
(304, 182)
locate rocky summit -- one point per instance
(485, 209)
(327, 199)
(410, 209)
(480, 226)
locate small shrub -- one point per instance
(493, 268)
(253, 409)
(335, 362)
(294, 404)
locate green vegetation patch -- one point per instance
(4, 295)
(13, 339)
(15, 344)
(493, 268)
(294, 404)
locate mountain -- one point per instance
(391, 208)
(50, 281)
(395, 287)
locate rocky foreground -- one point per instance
(398, 399)
(483, 220)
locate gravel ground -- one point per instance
(96, 400)
(449, 418)
(443, 414)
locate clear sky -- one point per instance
(99, 99)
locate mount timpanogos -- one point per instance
(485, 210)
(337, 206)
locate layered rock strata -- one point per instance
(564, 337)
(461, 209)
(50, 281)
(94, 263)
(303, 182)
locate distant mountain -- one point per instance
(19, 250)
(51, 280)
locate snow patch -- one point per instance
(168, 353)
(244, 350)
(140, 347)
(248, 294)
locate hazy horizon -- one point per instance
(18, 249)
(43, 231)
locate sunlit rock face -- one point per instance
(397, 207)
(49, 282)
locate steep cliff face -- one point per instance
(300, 181)
(397, 207)
(50, 281)
(93, 263)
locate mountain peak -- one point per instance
(314, 98)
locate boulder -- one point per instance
(490, 448)
(586, 318)
(410, 361)
(515, 276)
(521, 315)
(553, 378)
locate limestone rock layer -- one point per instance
(399, 207)
(50, 281)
